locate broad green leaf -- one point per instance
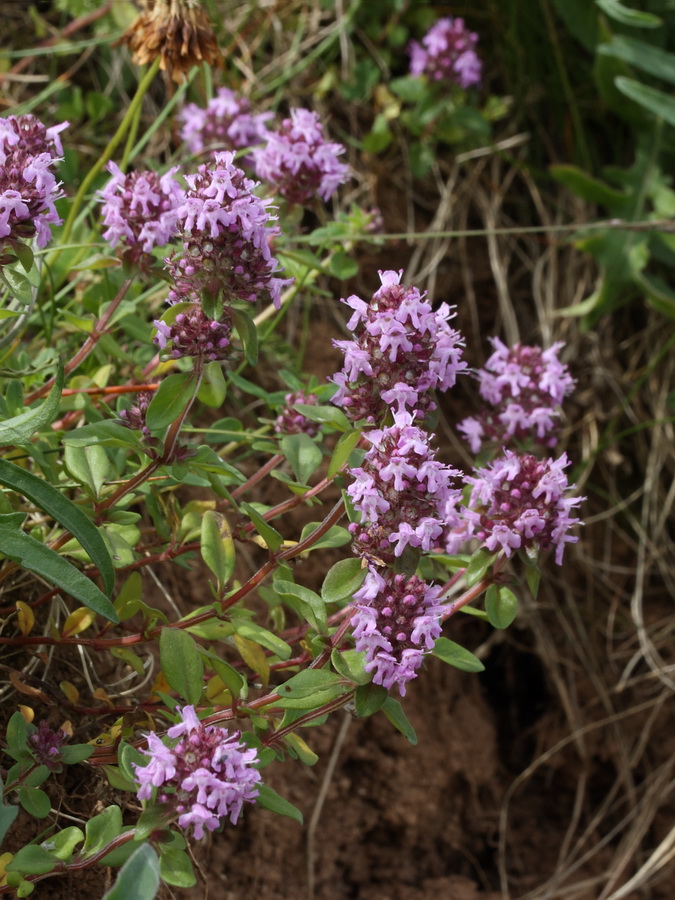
(88, 465)
(234, 681)
(21, 428)
(181, 663)
(34, 801)
(217, 546)
(478, 565)
(42, 560)
(627, 16)
(106, 434)
(271, 642)
(301, 749)
(659, 294)
(589, 188)
(101, 830)
(343, 266)
(652, 99)
(329, 415)
(269, 799)
(533, 577)
(309, 682)
(170, 401)
(501, 605)
(66, 513)
(138, 878)
(351, 665)
(342, 452)
(32, 860)
(394, 712)
(303, 454)
(175, 867)
(343, 580)
(17, 732)
(335, 537)
(213, 388)
(642, 55)
(247, 332)
(64, 842)
(7, 816)
(369, 698)
(581, 19)
(76, 753)
(457, 656)
(311, 606)
(270, 535)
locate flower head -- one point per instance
(401, 351)
(140, 209)
(447, 53)
(226, 232)
(290, 421)
(523, 386)
(299, 161)
(191, 333)
(46, 745)
(226, 123)
(204, 778)
(522, 502)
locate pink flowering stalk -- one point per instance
(204, 778)
(401, 351)
(403, 493)
(521, 502)
(140, 211)
(447, 53)
(298, 160)
(396, 623)
(226, 123)
(290, 421)
(28, 187)
(523, 386)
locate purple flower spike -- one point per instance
(447, 53)
(523, 386)
(402, 350)
(46, 745)
(205, 778)
(226, 123)
(226, 234)
(140, 209)
(290, 421)
(396, 623)
(522, 502)
(192, 334)
(299, 161)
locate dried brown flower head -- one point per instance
(179, 31)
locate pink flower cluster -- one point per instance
(523, 386)
(521, 502)
(447, 53)
(205, 777)
(401, 351)
(290, 421)
(298, 160)
(140, 209)
(226, 123)
(28, 188)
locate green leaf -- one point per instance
(269, 799)
(328, 415)
(644, 56)
(106, 434)
(343, 580)
(342, 452)
(589, 188)
(309, 682)
(334, 537)
(66, 513)
(652, 99)
(34, 801)
(312, 607)
(369, 698)
(351, 665)
(32, 860)
(457, 656)
(533, 577)
(247, 332)
(88, 465)
(581, 20)
(343, 266)
(270, 535)
(271, 642)
(217, 546)
(19, 286)
(62, 844)
(20, 429)
(478, 565)
(42, 560)
(101, 830)
(175, 868)
(213, 388)
(181, 663)
(394, 712)
(170, 401)
(138, 878)
(626, 16)
(7, 816)
(75, 753)
(127, 757)
(501, 605)
(24, 255)
(233, 680)
(659, 294)
(17, 732)
(303, 455)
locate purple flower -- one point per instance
(521, 502)
(191, 333)
(140, 209)
(299, 161)
(28, 188)
(401, 491)
(225, 124)
(401, 351)
(134, 416)
(396, 623)
(226, 233)
(523, 386)
(290, 421)
(447, 53)
(204, 778)
(46, 745)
